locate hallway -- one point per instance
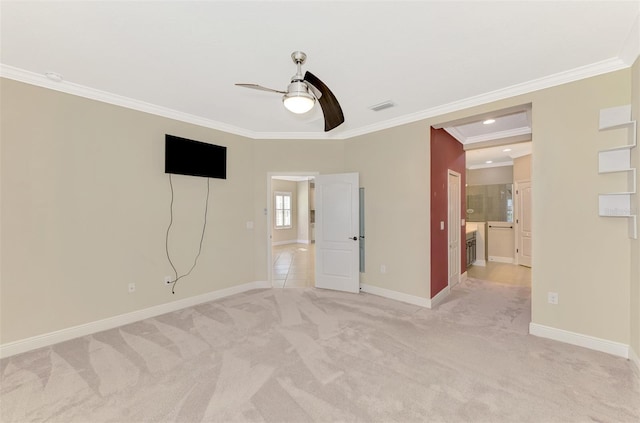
(504, 273)
(293, 266)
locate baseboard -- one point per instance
(586, 341)
(440, 296)
(499, 259)
(633, 357)
(395, 295)
(478, 262)
(289, 241)
(47, 339)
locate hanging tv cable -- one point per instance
(204, 226)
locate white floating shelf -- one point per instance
(618, 159)
(614, 160)
(615, 116)
(615, 205)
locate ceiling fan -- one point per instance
(303, 91)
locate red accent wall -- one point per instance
(446, 153)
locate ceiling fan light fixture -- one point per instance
(298, 99)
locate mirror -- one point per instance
(490, 202)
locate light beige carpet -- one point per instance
(302, 355)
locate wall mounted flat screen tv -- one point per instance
(188, 157)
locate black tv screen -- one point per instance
(187, 157)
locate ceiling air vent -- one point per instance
(381, 106)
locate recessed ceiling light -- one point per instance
(55, 77)
(506, 150)
(489, 161)
(489, 121)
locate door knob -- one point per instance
(355, 238)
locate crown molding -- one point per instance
(525, 130)
(40, 80)
(605, 66)
(521, 154)
(488, 165)
(595, 69)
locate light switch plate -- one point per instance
(442, 225)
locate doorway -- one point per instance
(290, 229)
(453, 227)
(523, 223)
(498, 155)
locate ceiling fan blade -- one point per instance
(331, 109)
(261, 88)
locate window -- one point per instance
(283, 210)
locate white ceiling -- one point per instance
(181, 59)
(501, 155)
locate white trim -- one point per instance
(588, 71)
(479, 262)
(586, 341)
(395, 295)
(525, 130)
(41, 80)
(454, 227)
(47, 339)
(291, 241)
(635, 360)
(499, 259)
(605, 66)
(490, 165)
(440, 297)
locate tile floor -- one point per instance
(293, 266)
(504, 273)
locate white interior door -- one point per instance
(337, 232)
(453, 227)
(524, 229)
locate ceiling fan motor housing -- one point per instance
(298, 99)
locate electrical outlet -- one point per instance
(168, 280)
(132, 287)
(552, 297)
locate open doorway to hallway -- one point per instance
(504, 273)
(498, 153)
(291, 234)
(293, 266)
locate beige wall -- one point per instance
(394, 171)
(635, 244)
(83, 187)
(85, 209)
(490, 176)
(285, 156)
(522, 168)
(592, 282)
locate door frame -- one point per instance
(456, 227)
(269, 213)
(517, 218)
